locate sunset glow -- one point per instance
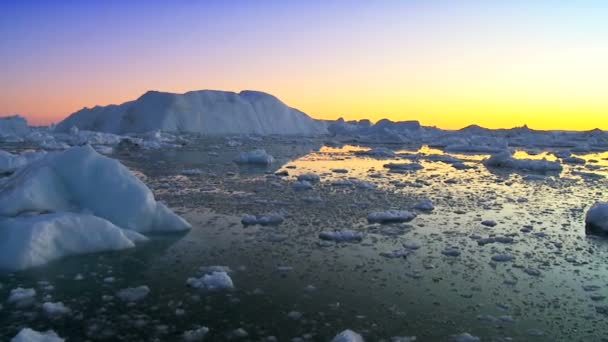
(495, 64)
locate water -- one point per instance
(277, 270)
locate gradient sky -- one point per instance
(445, 63)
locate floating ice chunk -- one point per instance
(29, 335)
(192, 172)
(301, 185)
(464, 337)
(596, 220)
(343, 182)
(378, 152)
(295, 315)
(55, 309)
(390, 216)
(216, 280)
(256, 157)
(347, 336)
(397, 167)
(80, 179)
(20, 294)
(309, 177)
(489, 223)
(240, 333)
(343, 235)
(424, 205)
(339, 170)
(397, 253)
(272, 219)
(133, 294)
(503, 257)
(35, 240)
(505, 159)
(451, 251)
(195, 335)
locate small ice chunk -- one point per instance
(55, 309)
(489, 223)
(464, 337)
(20, 294)
(29, 335)
(343, 235)
(424, 205)
(396, 167)
(195, 335)
(240, 333)
(133, 294)
(503, 257)
(216, 280)
(378, 152)
(596, 220)
(390, 216)
(301, 185)
(347, 336)
(256, 157)
(271, 219)
(309, 177)
(451, 251)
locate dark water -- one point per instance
(285, 269)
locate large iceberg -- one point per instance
(80, 179)
(208, 112)
(75, 202)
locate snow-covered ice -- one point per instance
(504, 159)
(215, 280)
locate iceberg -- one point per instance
(207, 112)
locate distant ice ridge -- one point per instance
(73, 202)
(13, 127)
(208, 112)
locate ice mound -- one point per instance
(35, 240)
(75, 202)
(347, 336)
(390, 216)
(13, 126)
(206, 112)
(80, 179)
(596, 220)
(29, 335)
(258, 157)
(504, 159)
(9, 162)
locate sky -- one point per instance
(445, 63)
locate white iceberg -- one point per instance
(80, 179)
(207, 112)
(9, 162)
